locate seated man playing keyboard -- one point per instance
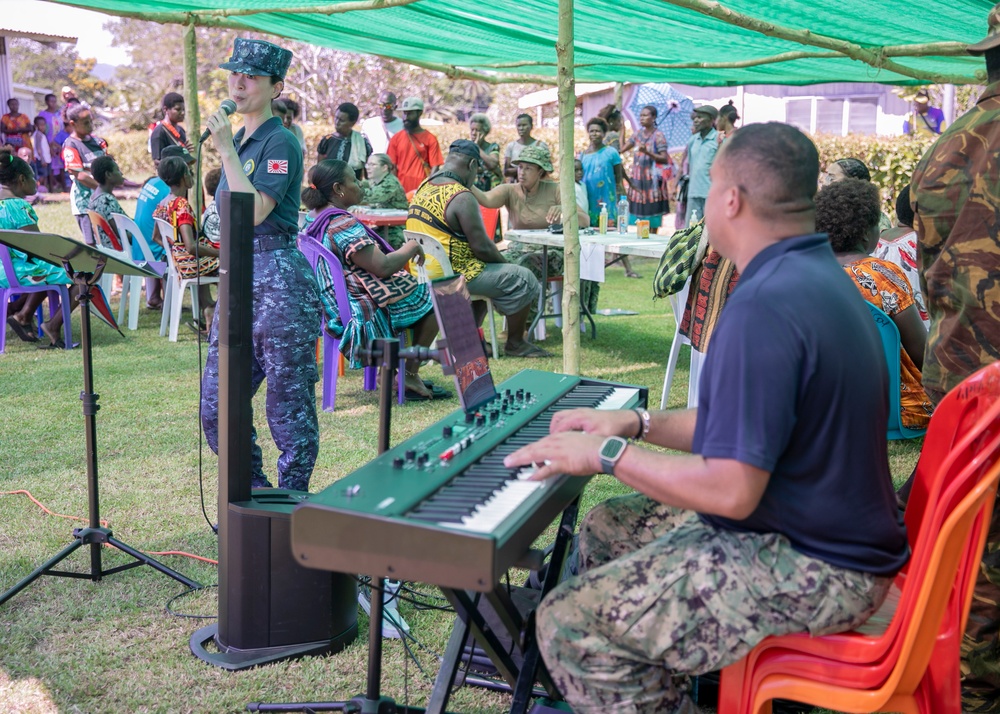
(781, 516)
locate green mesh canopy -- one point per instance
(617, 40)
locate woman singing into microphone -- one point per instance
(264, 159)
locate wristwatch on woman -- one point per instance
(611, 451)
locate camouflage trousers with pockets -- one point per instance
(662, 594)
(286, 322)
(981, 641)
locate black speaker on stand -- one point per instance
(270, 608)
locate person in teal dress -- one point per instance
(17, 180)
(602, 173)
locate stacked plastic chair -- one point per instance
(905, 658)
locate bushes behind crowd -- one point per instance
(890, 159)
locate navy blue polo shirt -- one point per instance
(796, 384)
(272, 159)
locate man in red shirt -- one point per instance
(414, 151)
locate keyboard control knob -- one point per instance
(520, 394)
(527, 396)
(397, 463)
(470, 417)
(495, 416)
(480, 420)
(446, 432)
(411, 454)
(423, 459)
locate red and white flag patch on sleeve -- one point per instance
(275, 166)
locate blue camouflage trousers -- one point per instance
(662, 594)
(286, 322)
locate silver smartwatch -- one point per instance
(611, 451)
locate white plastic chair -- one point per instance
(174, 284)
(129, 232)
(677, 303)
(434, 249)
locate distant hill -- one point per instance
(104, 72)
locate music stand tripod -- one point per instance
(85, 264)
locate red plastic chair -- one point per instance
(964, 431)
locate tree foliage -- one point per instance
(320, 78)
(40, 65)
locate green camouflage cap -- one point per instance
(258, 58)
(537, 155)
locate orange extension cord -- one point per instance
(104, 523)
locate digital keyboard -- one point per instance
(441, 507)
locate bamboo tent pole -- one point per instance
(567, 191)
(192, 110)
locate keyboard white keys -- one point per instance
(618, 398)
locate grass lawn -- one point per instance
(77, 646)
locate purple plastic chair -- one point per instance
(58, 299)
(314, 253)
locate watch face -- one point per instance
(612, 447)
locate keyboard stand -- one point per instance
(521, 680)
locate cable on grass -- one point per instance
(104, 524)
(188, 615)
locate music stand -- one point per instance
(86, 264)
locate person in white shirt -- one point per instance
(379, 129)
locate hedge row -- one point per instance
(890, 159)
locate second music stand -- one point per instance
(85, 264)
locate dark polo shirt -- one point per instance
(796, 384)
(272, 159)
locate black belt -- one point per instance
(265, 244)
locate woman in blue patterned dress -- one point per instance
(17, 181)
(384, 297)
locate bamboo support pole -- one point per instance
(192, 110)
(567, 191)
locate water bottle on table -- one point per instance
(623, 215)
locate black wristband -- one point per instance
(642, 427)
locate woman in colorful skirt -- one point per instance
(384, 297)
(647, 193)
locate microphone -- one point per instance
(228, 106)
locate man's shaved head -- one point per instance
(775, 166)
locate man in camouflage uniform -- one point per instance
(286, 305)
(956, 198)
(786, 426)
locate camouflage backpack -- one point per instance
(685, 251)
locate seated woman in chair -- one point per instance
(384, 297)
(185, 244)
(17, 180)
(848, 211)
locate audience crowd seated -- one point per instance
(848, 212)
(16, 214)
(194, 256)
(385, 298)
